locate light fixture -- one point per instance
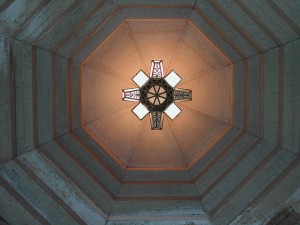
(156, 95)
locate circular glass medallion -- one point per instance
(156, 95)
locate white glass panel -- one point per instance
(172, 111)
(173, 79)
(140, 111)
(140, 78)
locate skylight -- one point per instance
(156, 95)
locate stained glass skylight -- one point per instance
(156, 95)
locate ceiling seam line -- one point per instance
(287, 150)
(261, 129)
(237, 27)
(74, 61)
(270, 49)
(245, 94)
(200, 197)
(223, 36)
(103, 146)
(233, 62)
(205, 74)
(135, 144)
(107, 114)
(52, 95)
(69, 82)
(219, 155)
(266, 190)
(189, 170)
(197, 189)
(30, 150)
(111, 173)
(126, 170)
(43, 153)
(69, 211)
(266, 140)
(27, 22)
(86, 65)
(106, 167)
(114, 201)
(242, 130)
(92, 34)
(250, 148)
(179, 149)
(12, 97)
(260, 23)
(117, 194)
(5, 5)
(257, 136)
(34, 98)
(182, 104)
(85, 169)
(280, 97)
(107, 38)
(223, 133)
(177, 46)
(246, 179)
(66, 11)
(182, 34)
(135, 44)
(33, 14)
(60, 43)
(22, 201)
(53, 139)
(284, 16)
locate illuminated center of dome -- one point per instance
(156, 95)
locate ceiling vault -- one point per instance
(72, 152)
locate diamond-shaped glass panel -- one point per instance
(172, 111)
(140, 78)
(173, 79)
(140, 111)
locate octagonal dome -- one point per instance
(183, 48)
(57, 170)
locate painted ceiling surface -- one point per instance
(202, 67)
(72, 152)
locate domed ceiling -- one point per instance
(183, 48)
(72, 152)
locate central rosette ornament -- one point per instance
(156, 95)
